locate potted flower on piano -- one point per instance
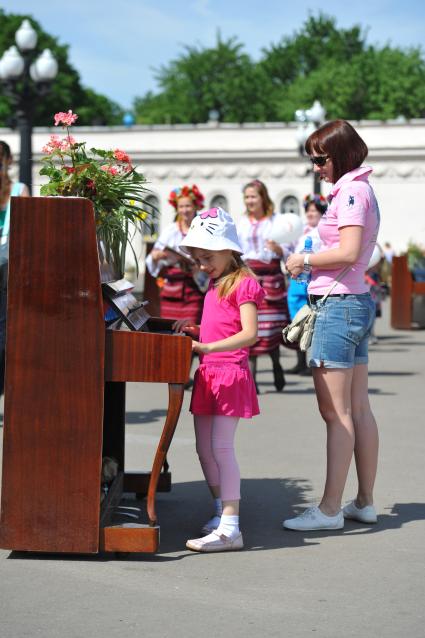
(109, 180)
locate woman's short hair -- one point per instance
(261, 188)
(5, 150)
(342, 143)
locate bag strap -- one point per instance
(344, 271)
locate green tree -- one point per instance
(317, 41)
(222, 78)
(319, 61)
(67, 91)
(351, 79)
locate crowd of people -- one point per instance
(225, 285)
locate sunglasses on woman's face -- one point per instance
(319, 160)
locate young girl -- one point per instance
(224, 389)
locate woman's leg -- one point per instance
(366, 433)
(223, 435)
(278, 374)
(333, 391)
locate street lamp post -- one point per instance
(308, 121)
(25, 78)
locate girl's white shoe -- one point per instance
(216, 543)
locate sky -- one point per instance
(116, 46)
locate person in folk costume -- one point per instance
(8, 189)
(263, 256)
(181, 295)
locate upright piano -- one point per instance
(66, 375)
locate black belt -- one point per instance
(315, 298)
(342, 295)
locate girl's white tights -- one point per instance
(215, 436)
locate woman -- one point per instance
(181, 296)
(339, 350)
(263, 257)
(315, 206)
(8, 189)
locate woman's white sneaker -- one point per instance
(365, 514)
(312, 519)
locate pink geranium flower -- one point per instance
(121, 156)
(66, 119)
(109, 169)
(67, 142)
(56, 143)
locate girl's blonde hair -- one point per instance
(231, 281)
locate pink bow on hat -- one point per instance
(212, 212)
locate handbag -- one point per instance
(301, 328)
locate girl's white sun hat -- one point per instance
(212, 229)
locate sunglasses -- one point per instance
(319, 160)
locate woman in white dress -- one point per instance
(181, 296)
(264, 256)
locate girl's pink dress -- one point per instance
(223, 383)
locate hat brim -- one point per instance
(219, 244)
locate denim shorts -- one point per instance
(341, 331)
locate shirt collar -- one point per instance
(361, 174)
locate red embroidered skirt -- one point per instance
(180, 298)
(273, 313)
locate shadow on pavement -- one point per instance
(266, 503)
(399, 514)
(149, 416)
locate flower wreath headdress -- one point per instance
(187, 191)
(316, 199)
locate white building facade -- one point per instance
(222, 158)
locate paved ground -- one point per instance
(359, 582)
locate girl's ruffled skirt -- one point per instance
(224, 388)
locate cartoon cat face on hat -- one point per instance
(213, 229)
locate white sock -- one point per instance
(218, 506)
(229, 526)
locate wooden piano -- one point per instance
(65, 391)
(407, 297)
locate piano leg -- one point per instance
(175, 400)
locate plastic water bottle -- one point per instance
(305, 276)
